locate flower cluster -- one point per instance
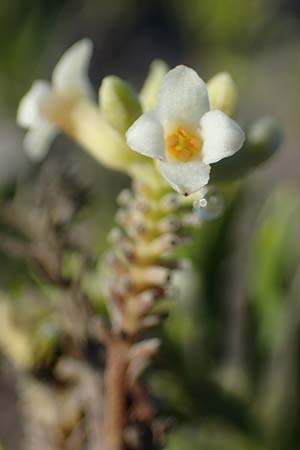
(167, 136)
(182, 133)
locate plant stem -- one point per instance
(116, 392)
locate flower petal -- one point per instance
(38, 140)
(222, 136)
(146, 136)
(185, 178)
(29, 113)
(70, 76)
(183, 99)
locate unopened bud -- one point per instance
(118, 103)
(149, 92)
(264, 137)
(222, 93)
(262, 142)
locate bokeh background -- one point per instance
(229, 372)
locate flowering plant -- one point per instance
(170, 139)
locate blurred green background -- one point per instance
(229, 371)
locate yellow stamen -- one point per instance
(183, 146)
(172, 140)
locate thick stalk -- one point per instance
(116, 392)
(150, 224)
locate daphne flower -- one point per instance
(69, 83)
(183, 134)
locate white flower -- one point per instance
(69, 83)
(183, 134)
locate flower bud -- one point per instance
(263, 139)
(222, 93)
(149, 92)
(84, 123)
(119, 104)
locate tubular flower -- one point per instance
(183, 134)
(69, 84)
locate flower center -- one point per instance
(183, 146)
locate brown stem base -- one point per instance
(116, 392)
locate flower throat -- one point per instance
(183, 146)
